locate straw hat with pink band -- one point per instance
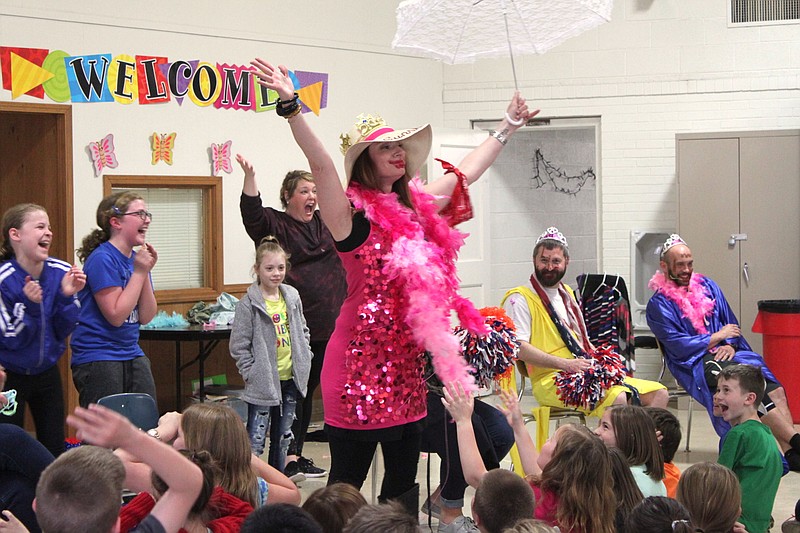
(368, 129)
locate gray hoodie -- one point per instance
(253, 346)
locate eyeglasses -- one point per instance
(144, 215)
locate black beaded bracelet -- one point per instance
(288, 108)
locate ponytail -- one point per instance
(113, 205)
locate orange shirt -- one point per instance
(671, 476)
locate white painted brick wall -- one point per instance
(658, 69)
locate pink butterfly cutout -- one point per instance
(221, 157)
(103, 154)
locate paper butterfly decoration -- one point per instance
(221, 157)
(162, 147)
(103, 154)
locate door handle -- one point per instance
(746, 273)
(736, 237)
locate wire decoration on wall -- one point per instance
(545, 173)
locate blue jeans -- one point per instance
(278, 420)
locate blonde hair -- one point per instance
(112, 206)
(14, 218)
(712, 494)
(219, 430)
(270, 245)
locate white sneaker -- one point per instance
(462, 524)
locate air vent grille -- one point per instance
(744, 12)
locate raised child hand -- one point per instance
(101, 426)
(73, 281)
(32, 290)
(458, 402)
(510, 408)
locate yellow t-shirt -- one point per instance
(280, 319)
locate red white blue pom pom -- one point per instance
(492, 355)
(586, 389)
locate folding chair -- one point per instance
(137, 407)
(677, 392)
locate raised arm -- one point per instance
(249, 186)
(528, 453)
(460, 405)
(481, 158)
(104, 427)
(334, 206)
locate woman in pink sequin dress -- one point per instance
(398, 249)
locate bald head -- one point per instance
(678, 264)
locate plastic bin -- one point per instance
(779, 323)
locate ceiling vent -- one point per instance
(763, 12)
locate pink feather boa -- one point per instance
(694, 303)
(422, 261)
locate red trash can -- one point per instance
(779, 322)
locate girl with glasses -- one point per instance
(117, 299)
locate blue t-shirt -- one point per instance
(95, 339)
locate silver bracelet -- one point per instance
(500, 136)
(518, 122)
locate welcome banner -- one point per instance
(146, 80)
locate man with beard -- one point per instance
(700, 335)
(552, 332)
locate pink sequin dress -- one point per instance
(402, 289)
(372, 372)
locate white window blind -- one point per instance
(176, 232)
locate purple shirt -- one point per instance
(316, 270)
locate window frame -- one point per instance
(212, 229)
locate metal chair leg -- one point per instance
(689, 423)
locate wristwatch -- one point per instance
(154, 433)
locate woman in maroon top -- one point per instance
(316, 272)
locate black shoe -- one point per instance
(309, 469)
(793, 459)
(292, 471)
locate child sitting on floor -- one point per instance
(571, 477)
(667, 424)
(63, 504)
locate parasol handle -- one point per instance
(510, 52)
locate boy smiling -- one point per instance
(749, 449)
